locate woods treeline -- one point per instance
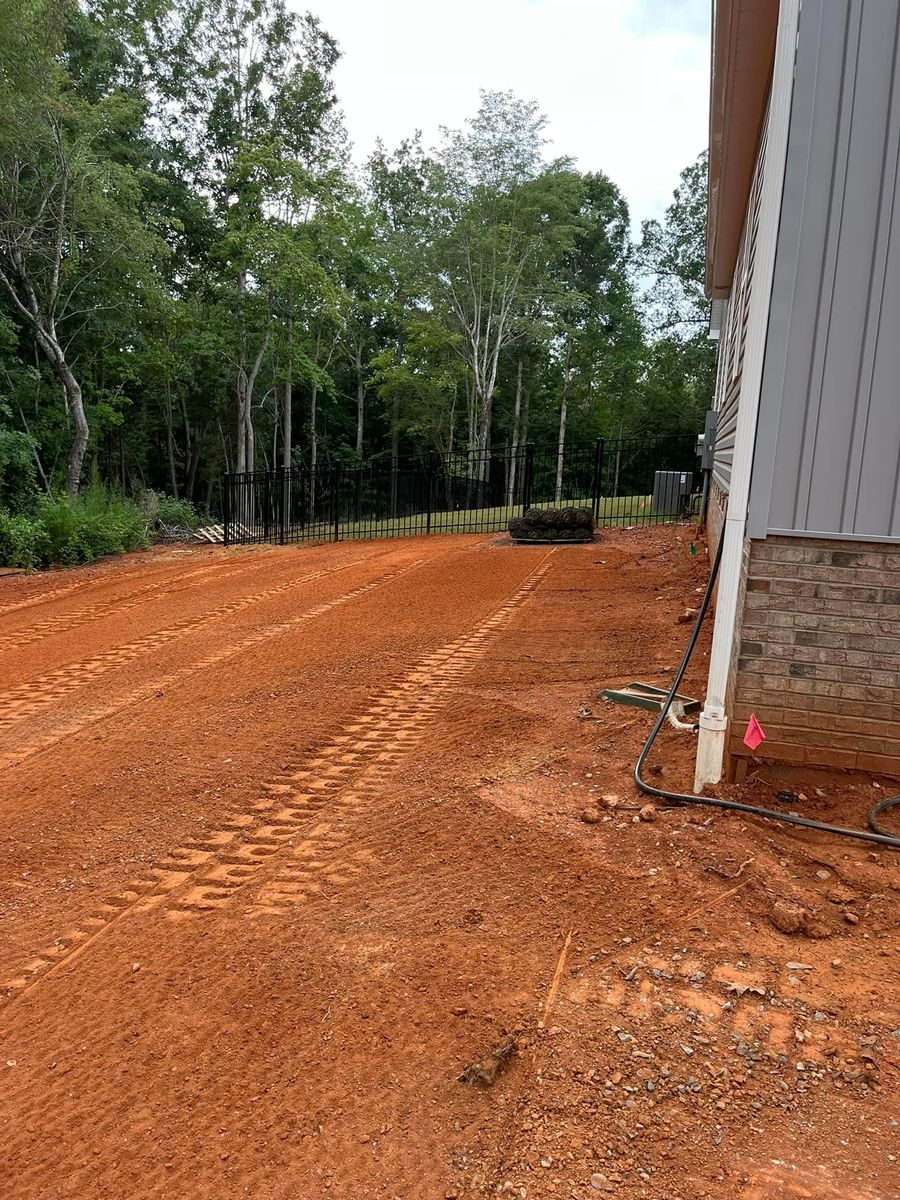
(196, 276)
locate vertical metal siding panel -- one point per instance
(828, 449)
(828, 444)
(874, 466)
(822, 256)
(806, 205)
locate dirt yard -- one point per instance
(292, 839)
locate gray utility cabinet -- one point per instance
(671, 492)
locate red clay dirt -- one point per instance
(292, 839)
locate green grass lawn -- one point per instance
(613, 511)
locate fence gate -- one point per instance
(473, 491)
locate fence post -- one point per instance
(226, 510)
(528, 477)
(336, 484)
(280, 505)
(599, 453)
(429, 478)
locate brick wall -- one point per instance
(819, 655)
(715, 515)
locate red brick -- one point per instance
(880, 764)
(825, 756)
(825, 685)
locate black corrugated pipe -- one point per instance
(878, 835)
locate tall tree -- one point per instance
(680, 366)
(672, 255)
(493, 220)
(73, 239)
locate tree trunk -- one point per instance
(287, 416)
(313, 449)
(75, 404)
(241, 390)
(483, 442)
(195, 449)
(514, 447)
(563, 412)
(395, 454)
(313, 432)
(470, 415)
(360, 404)
(249, 386)
(170, 442)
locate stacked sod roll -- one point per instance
(553, 525)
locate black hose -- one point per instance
(879, 836)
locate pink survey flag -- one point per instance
(754, 736)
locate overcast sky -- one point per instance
(623, 82)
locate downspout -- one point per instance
(713, 720)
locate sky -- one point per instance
(624, 83)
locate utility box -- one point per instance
(672, 493)
(706, 442)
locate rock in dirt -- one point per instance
(689, 614)
(590, 816)
(794, 918)
(647, 813)
(600, 1183)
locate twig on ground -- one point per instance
(729, 875)
(554, 985)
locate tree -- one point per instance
(72, 237)
(495, 213)
(596, 334)
(680, 371)
(672, 254)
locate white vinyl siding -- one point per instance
(734, 333)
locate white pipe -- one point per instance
(713, 720)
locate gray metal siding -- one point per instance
(827, 457)
(734, 334)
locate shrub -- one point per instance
(158, 508)
(178, 512)
(22, 541)
(68, 531)
(91, 526)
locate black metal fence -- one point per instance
(473, 491)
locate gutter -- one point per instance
(713, 720)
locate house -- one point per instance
(804, 254)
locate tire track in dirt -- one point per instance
(344, 777)
(29, 698)
(65, 589)
(159, 588)
(25, 749)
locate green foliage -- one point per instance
(18, 476)
(91, 526)
(672, 254)
(178, 512)
(22, 540)
(66, 531)
(194, 280)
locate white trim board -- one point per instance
(713, 719)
